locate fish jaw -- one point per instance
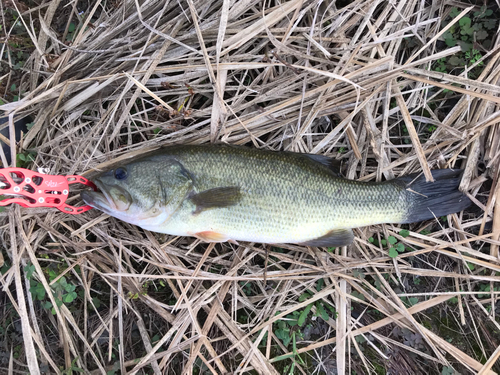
(112, 200)
(152, 219)
(108, 197)
(98, 200)
(101, 202)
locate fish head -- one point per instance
(145, 193)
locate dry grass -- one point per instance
(305, 76)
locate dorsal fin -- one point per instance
(333, 164)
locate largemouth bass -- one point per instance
(220, 192)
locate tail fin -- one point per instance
(433, 199)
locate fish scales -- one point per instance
(221, 192)
(283, 196)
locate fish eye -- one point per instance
(120, 173)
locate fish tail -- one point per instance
(427, 200)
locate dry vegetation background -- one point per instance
(386, 87)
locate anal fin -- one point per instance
(333, 238)
(210, 236)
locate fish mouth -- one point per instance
(99, 199)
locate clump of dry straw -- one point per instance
(353, 81)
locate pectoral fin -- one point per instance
(216, 198)
(334, 238)
(209, 236)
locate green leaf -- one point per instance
(155, 338)
(447, 35)
(413, 301)
(71, 27)
(62, 281)
(358, 274)
(450, 42)
(294, 346)
(69, 288)
(449, 39)
(292, 322)
(331, 308)
(97, 302)
(5, 267)
(481, 35)
(456, 61)
(360, 339)
(38, 291)
(70, 297)
(404, 233)
(465, 22)
(454, 12)
(400, 247)
(392, 240)
(469, 31)
(320, 284)
(29, 269)
(484, 12)
(283, 335)
(52, 274)
(291, 319)
(489, 24)
(321, 311)
(303, 315)
(358, 295)
(393, 253)
(304, 296)
(13, 87)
